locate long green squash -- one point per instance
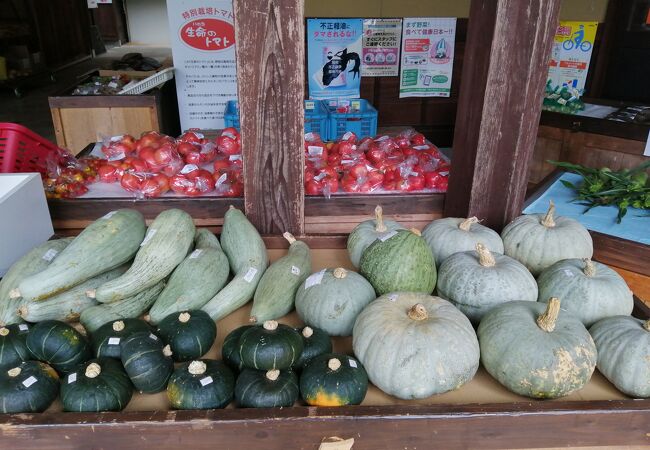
(276, 291)
(94, 317)
(167, 242)
(34, 261)
(248, 259)
(105, 244)
(205, 238)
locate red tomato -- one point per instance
(164, 155)
(232, 133)
(193, 158)
(235, 190)
(179, 184)
(190, 136)
(227, 145)
(416, 182)
(149, 139)
(375, 155)
(135, 164)
(131, 182)
(151, 188)
(313, 187)
(147, 154)
(358, 171)
(185, 147)
(349, 137)
(108, 173)
(375, 178)
(346, 147)
(221, 166)
(402, 141)
(418, 139)
(332, 184)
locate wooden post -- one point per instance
(504, 72)
(270, 71)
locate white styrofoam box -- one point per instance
(24, 218)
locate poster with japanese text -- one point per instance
(571, 53)
(334, 57)
(203, 48)
(381, 43)
(427, 57)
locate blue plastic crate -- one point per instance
(362, 120)
(316, 117)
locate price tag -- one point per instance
(116, 138)
(114, 341)
(568, 273)
(346, 136)
(382, 138)
(234, 158)
(392, 297)
(353, 363)
(222, 179)
(72, 377)
(196, 253)
(153, 336)
(295, 270)
(23, 327)
(187, 168)
(315, 150)
(414, 174)
(314, 279)
(29, 381)
(205, 381)
(250, 274)
(310, 137)
(421, 147)
(320, 176)
(229, 134)
(117, 156)
(109, 215)
(50, 254)
(151, 233)
(387, 236)
(310, 105)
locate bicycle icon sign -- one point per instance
(577, 41)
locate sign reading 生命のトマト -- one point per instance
(381, 43)
(333, 57)
(203, 48)
(572, 48)
(427, 57)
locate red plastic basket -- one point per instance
(22, 150)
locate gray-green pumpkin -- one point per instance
(588, 289)
(478, 280)
(534, 350)
(453, 234)
(540, 240)
(414, 345)
(623, 344)
(400, 261)
(367, 232)
(332, 299)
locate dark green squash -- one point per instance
(13, 345)
(190, 334)
(98, 385)
(59, 345)
(315, 342)
(270, 389)
(147, 361)
(106, 340)
(30, 387)
(333, 379)
(230, 348)
(201, 384)
(270, 346)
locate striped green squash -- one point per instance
(230, 348)
(266, 389)
(13, 345)
(147, 361)
(201, 384)
(58, 344)
(270, 346)
(333, 379)
(190, 334)
(107, 338)
(315, 343)
(98, 385)
(29, 387)
(367, 232)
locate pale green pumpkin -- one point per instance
(367, 232)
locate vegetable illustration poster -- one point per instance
(334, 57)
(427, 57)
(572, 48)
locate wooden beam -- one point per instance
(504, 72)
(270, 70)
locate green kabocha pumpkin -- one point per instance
(332, 299)
(190, 334)
(623, 345)
(588, 289)
(333, 379)
(400, 261)
(98, 385)
(106, 340)
(13, 345)
(367, 232)
(266, 389)
(29, 387)
(201, 384)
(147, 361)
(230, 348)
(476, 281)
(413, 345)
(270, 346)
(533, 350)
(315, 342)
(59, 345)
(452, 235)
(540, 240)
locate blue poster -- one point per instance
(334, 57)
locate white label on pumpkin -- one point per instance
(314, 279)
(153, 336)
(196, 253)
(295, 270)
(421, 147)
(221, 179)
(387, 236)
(23, 327)
(50, 254)
(568, 273)
(382, 138)
(187, 168)
(234, 157)
(205, 381)
(114, 341)
(250, 274)
(346, 136)
(29, 381)
(353, 363)
(109, 215)
(72, 377)
(315, 150)
(151, 233)
(392, 297)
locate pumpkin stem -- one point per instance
(485, 257)
(466, 224)
(307, 332)
(548, 221)
(379, 220)
(118, 325)
(340, 272)
(270, 325)
(167, 350)
(14, 372)
(14, 294)
(273, 374)
(93, 370)
(418, 312)
(23, 311)
(415, 231)
(184, 317)
(334, 364)
(197, 368)
(289, 237)
(547, 320)
(590, 268)
(231, 207)
(91, 293)
(4, 331)
(147, 318)
(646, 325)
(252, 319)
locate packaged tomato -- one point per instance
(228, 184)
(150, 139)
(232, 133)
(191, 137)
(350, 137)
(118, 147)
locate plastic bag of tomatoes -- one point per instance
(67, 176)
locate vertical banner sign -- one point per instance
(381, 44)
(572, 48)
(203, 48)
(427, 57)
(334, 57)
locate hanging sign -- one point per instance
(333, 57)
(203, 48)
(381, 44)
(427, 57)
(572, 48)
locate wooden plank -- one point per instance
(270, 68)
(58, 127)
(498, 114)
(365, 204)
(104, 101)
(623, 130)
(622, 253)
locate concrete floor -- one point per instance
(33, 111)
